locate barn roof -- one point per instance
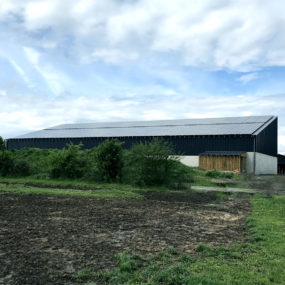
(186, 127)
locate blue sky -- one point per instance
(89, 60)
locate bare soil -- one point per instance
(47, 239)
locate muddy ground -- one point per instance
(47, 239)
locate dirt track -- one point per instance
(46, 239)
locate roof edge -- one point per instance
(266, 124)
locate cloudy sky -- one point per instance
(91, 60)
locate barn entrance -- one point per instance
(223, 160)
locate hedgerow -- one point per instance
(146, 163)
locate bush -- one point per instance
(219, 174)
(109, 160)
(37, 160)
(150, 163)
(21, 168)
(6, 163)
(228, 175)
(68, 163)
(213, 173)
(2, 144)
(180, 176)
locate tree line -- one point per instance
(146, 163)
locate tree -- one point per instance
(109, 159)
(6, 163)
(68, 163)
(2, 144)
(150, 163)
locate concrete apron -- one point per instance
(226, 189)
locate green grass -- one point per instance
(48, 186)
(201, 179)
(260, 261)
(111, 192)
(32, 186)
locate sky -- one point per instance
(72, 61)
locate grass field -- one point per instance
(32, 185)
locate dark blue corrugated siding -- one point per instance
(186, 145)
(281, 159)
(266, 141)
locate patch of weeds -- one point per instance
(186, 258)
(161, 258)
(213, 173)
(128, 262)
(172, 251)
(173, 275)
(203, 248)
(84, 275)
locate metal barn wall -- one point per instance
(281, 164)
(199, 144)
(266, 140)
(183, 145)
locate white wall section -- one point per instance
(189, 160)
(265, 164)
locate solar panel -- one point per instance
(187, 127)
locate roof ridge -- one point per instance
(153, 126)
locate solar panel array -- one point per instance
(185, 127)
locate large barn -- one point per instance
(234, 143)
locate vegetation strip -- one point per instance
(40, 185)
(261, 261)
(107, 193)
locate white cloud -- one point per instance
(32, 55)
(56, 81)
(3, 93)
(9, 6)
(37, 13)
(113, 56)
(21, 72)
(244, 79)
(237, 35)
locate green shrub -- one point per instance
(37, 160)
(149, 163)
(6, 163)
(21, 168)
(152, 163)
(180, 176)
(68, 163)
(213, 173)
(109, 160)
(228, 175)
(219, 174)
(2, 144)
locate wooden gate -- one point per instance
(235, 163)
